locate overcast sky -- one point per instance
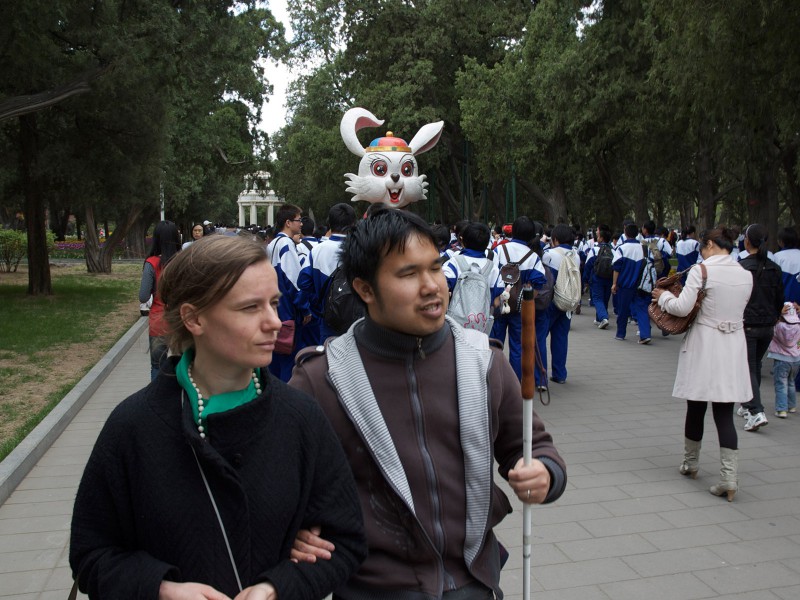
(273, 113)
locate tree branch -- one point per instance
(18, 106)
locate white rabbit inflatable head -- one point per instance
(388, 173)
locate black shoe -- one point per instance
(554, 380)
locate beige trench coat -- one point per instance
(712, 365)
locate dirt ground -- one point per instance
(26, 387)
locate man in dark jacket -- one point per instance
(423, 408)
(760, 315)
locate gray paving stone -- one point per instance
(614, 546)
(591, 572)
(731, 580)
(755, 551)
(674, 562)
(689, 537)
(668, 587)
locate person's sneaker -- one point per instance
(619, 339)
(781, 414)
(595, 322)
(743, 412)
(755, 421)
(792, 410)
(645, 341)
(541, 388)
(602, 324)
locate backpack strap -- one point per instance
(505, 251)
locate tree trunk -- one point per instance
(706, 191)
(59, 219)
(39, 283)
(135, 241)
(557, 202)
(117, 237)
(616, 208)
(789, 160)
(92, 243)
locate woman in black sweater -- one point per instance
(198, 483)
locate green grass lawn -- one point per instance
(48, 343)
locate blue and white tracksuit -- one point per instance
(531, 271)
(451, 272)
(789, 262)
(292, 305)
(315, 279)
(558, 321)
(688, 253)
(628, 259)
(599, 287)
(666, 252)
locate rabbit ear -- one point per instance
(426, 137)
(354, 120)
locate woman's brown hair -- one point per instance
(201, 275)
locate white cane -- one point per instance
(528, 311)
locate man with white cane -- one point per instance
(423, 408)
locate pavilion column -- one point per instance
(253, 214)
(241, 215)
(270, 215)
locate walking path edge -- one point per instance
(24, 457)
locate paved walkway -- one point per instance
(628, 527)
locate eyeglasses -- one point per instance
(295, 220)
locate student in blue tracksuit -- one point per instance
(599, 287)
(523, 237)
(649, 237)
(788, 259)
(630, 258)
(315, 278)
(687, 250)
(474, 239)
(558, 320)
(292, 306)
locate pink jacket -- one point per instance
(785, 341)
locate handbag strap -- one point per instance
(216, 511)
(73, 593)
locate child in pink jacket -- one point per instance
(785, 350)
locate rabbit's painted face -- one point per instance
(388, 172)
(389, 178)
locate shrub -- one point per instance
(14, 247)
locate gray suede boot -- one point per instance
(691, 458)
(729, 483)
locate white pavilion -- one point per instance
(257, 193)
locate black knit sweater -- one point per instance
(143, 515)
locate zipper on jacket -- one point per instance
(420, 351)
(430, 473)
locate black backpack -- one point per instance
(342, 307)
(510, 275)
(544, 295)
(602, 263)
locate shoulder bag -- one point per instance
(670, 323)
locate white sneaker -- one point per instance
(743, 412)
(602, 324)
(755, 421)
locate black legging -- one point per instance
(723, 418)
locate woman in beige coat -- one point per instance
(712, 366)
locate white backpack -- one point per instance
(470, 304)
(567, 289)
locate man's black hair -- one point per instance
(788, 238)
(341, 217)
(476, 237)
(442, 235)
(286, 213)
(523, 229)
(631, 231)
(307, 226)
(374, 238)
(563, 234)
(650, 226)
